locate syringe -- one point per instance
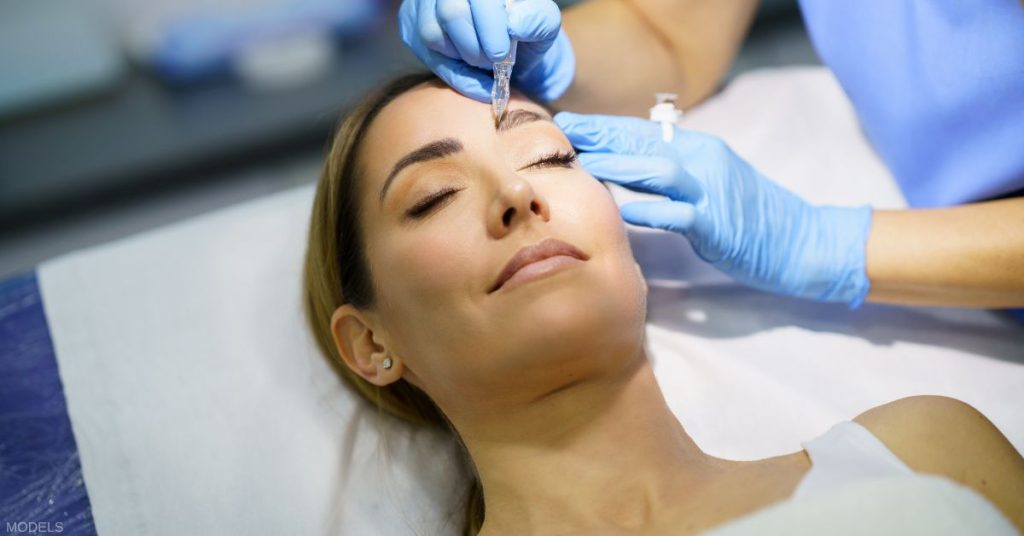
(502, 77)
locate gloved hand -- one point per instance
(736, 218)
(460, 40)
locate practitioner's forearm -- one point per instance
(967, 256)
(626, 50)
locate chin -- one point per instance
(586, 317)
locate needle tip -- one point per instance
(497, 110)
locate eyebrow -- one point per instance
(449, 146)
(431, 151)
(515, 118)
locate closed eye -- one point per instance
(430, 203)
(558, 158)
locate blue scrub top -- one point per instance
(938, 86)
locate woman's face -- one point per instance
(462, 198)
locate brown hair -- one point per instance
(337, 272)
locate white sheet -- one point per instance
(200, 405)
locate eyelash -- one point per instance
(558, 158)
(423, 207)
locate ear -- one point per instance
(361, 348)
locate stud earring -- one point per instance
(387, 363)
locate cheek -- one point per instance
(422, 270)
(591, 207)
(587, 204)
(419, 275)
(608, 214)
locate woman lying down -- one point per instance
(479, 280)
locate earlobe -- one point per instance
(353, 335)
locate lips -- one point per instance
(551, 247)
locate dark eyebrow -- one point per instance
(515, 118)
(430, 151)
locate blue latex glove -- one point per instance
(460, 40)
(736, 218)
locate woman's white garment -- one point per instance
(858, 486)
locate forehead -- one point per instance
(424, 114)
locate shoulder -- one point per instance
(938, 434)
(924, 427)
(947, 437)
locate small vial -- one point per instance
(500, 91)
(666, 113)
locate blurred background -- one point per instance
(118, 116)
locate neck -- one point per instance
(598, 454)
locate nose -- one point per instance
(516, 203)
